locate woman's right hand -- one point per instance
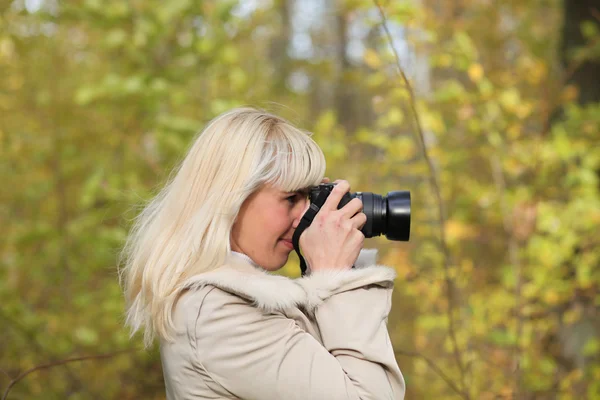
(334, 239)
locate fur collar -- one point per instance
(273, 292)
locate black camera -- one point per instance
(386, 215)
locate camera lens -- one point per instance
(398, 216)
(389, 215)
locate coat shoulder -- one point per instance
(258, 287)
(207, 297)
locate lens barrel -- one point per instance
(389, 215)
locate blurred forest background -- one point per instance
(497, 137)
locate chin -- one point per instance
(276, 265)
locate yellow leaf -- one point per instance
(475, 72)
(326, 123)
(445, 60)
(537, 73)
(467, 266)
(524, 110)
(457, 230)
(7, 48)
(395, 116)
(404, 270)
(552, 297)
(510, 99)
(570, 93)
(506, 392)
(514, 131)
(465, 112)
(400, 260)
(372, 59)
(421, 342)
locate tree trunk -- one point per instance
(279, 47)
(570, 340)
(585, 76)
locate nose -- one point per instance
(301, 209)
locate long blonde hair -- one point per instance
(185, 229)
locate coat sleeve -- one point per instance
(256, 354)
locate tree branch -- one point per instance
(61, 362)
(442, 217)
(33, 342)
(5, 373)
(513, 253)
(434, 367)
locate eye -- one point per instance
(295, 198)
(292, 199)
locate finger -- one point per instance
(359, 220)
(341, 188)
(326, 180)
(354, 206)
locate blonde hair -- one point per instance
(185, 229)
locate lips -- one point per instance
(288, 243)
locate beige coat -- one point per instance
(247, 334)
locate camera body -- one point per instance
(386, 215)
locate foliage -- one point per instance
(497, 295)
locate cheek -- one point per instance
(279, 220)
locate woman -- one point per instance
(197, 275)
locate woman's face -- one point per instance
(265, 224)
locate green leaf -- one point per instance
(86, 336)
(115, 38)
(589, 29)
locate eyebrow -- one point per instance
(303, 192)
